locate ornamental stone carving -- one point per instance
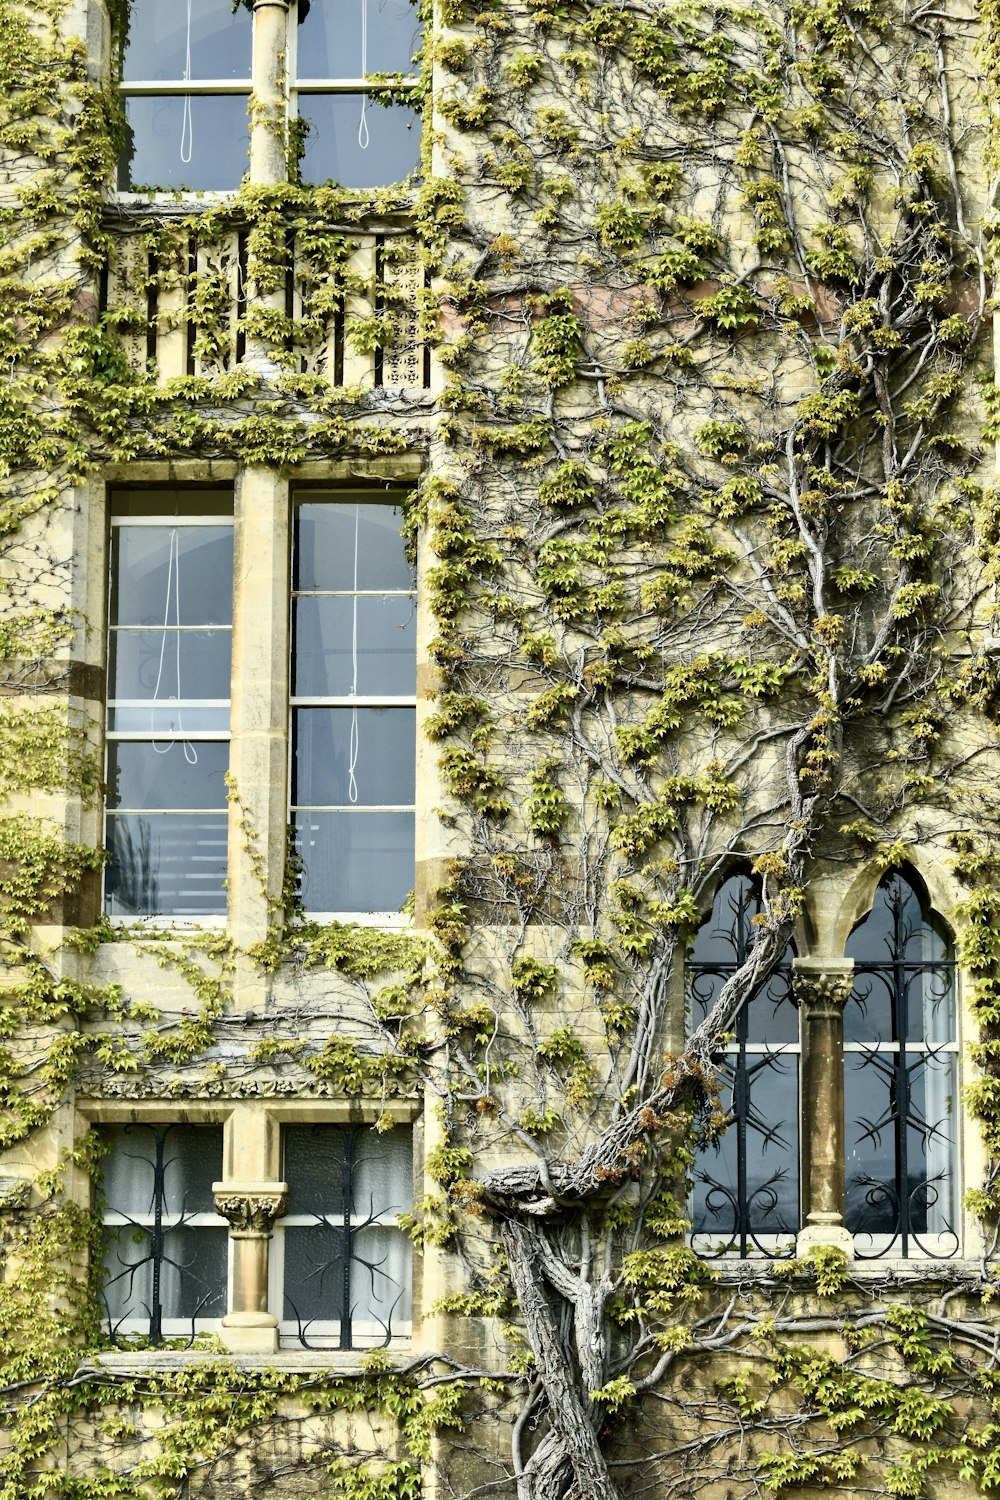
(822, 986)
(250, 1207)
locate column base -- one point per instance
(817, 1235)
(249, 1333)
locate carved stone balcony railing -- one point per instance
(183, 307)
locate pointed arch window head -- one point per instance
(746, 1181)
(901, 1078)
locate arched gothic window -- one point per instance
(901, 1078)
(746, 1182)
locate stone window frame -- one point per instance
(822, 979)
(260, 681)
(252, 1195)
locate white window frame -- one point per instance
(195, 736)
(389, 919)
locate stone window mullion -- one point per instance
(822, 987)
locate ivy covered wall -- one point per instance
(705, 529)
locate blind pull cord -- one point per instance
(174, 592)
(363, 136)
(187, 120)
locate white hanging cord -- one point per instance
(187, 122)
(173, 589)
(352, 785)
(363, 136)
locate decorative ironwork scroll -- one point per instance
(901, 1079)
(746, 1181)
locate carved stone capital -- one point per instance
(822, 986)
(250, 1207)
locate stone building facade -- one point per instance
(499, 848)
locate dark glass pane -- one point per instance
(378, 631)
(868, 1014)
(382, 1180)
(355, 862)
(158, 39)
(192, 1161)
(931, 1142)
(380, 1282)
(159, 136)
(343, 543)
(749, 1186)
(930, 1003)
(173, 864)
(128, 1273)
(181, 774)
(356, 143)
(172, 575)
(160, 665)
(870, 1116)
(315, 1166)
(329, 41)
(314, 1274)
(721, 945)
(379, 744)
(193, 1275)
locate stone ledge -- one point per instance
(169, 1361)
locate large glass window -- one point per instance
(169, 656)
(165, 1247)
(341, 1262)
(901, 1078)
(186, 83)
(746, 1181)
(353, 704)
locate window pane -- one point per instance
(192, 1273)
(192, 1161)
(331, 533)
(329, 44)
(181, 774)
(357, 143)
(172, 575)
(378, 742)
(173, 864)
(382, 1180)
(753, 1190)
(170, 664)
(157, 40)
(128, 1172)
(315, 1164)
(314, 1274)
(380, 1281)
(355, 862)
(868, 1014)
(325, 631)
(157, 138)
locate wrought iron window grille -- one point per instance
(180, 1277)
(746, 1189)
(900, 1057)
(345, 1267)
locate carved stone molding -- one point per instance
(250, 1207)
(822, 986)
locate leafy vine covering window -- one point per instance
(901, 1078)
(746, 1182)
(186, 83)
(342, 1263)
